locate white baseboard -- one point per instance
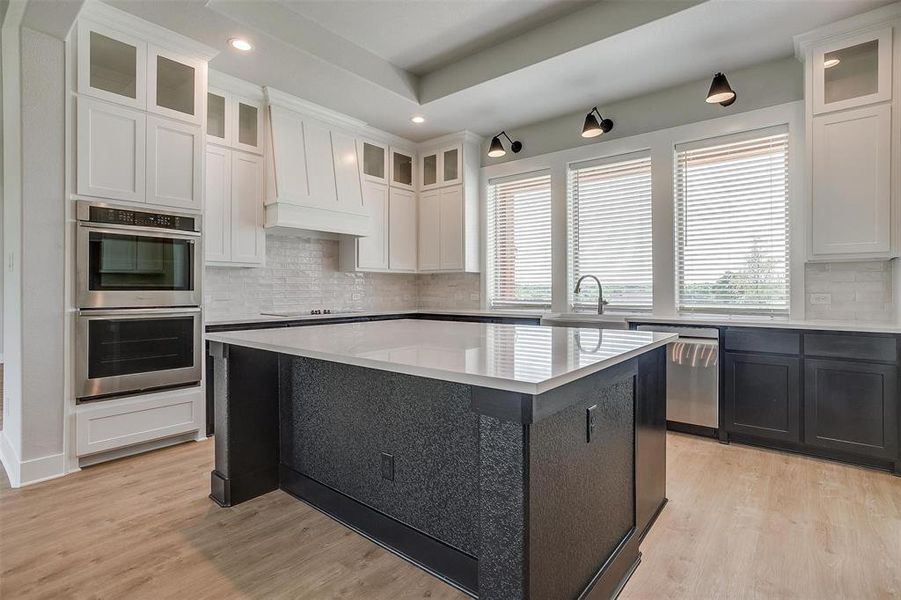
(28, 472)
(10, 460)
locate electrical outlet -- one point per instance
(590, 422)
(388, 466)
(821, 298)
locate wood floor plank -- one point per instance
(741, 523)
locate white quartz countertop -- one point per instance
(741, 321)
(529, 359)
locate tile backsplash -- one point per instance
(301, 274)
(849, 291)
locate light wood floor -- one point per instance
(741, 523)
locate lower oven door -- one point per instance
(126, 351)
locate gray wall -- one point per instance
(766, 84)
(42, 259)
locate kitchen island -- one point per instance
(513, 461)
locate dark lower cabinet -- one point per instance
(851, 407)
(763, 395)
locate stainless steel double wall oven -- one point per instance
(139, 323)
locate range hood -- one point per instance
(313, 169)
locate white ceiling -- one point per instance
(422, 35)
(486, 65)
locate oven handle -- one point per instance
(152, 231)
(93, 313)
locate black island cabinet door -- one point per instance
(852, 407)
(763, 395)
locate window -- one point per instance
(610, 231)
(731, 198)
(519, 241)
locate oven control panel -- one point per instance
(119, 216)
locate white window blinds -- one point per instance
(610, 231)
(731, 198)
(519, 241)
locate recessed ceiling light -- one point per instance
(830, 62)
(418, 119)
(239, 44)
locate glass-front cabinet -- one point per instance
(234, 121)
(401, 168)
(374, 161)
(852, 71)
(112, 65)
(441, 167)
(175, 85)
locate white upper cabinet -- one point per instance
(429, 231)
(851, 175)
(852, 77)
(110, 151)
(217, 205)
(402, 255)
(248, 238)
(174, 167)
(852, 71)
(372, 250)
(112, 65)
(234, 113)
(175, 85)
(441, 167)
(374, 161)
(140, 110)
(402, 168)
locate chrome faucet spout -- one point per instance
(601, 302)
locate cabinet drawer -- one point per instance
(109, 424)
(762, 340)
(845, 345)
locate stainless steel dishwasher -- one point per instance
(692, 377)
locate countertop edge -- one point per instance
(485, 381)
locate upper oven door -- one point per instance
(123, 267)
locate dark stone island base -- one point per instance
(503, 495)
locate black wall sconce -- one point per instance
(720, 91)
(496, 150)
(595, 125)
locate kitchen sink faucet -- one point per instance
(601, 302)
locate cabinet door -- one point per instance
(174, 152)
(851, 181)
(217, 205)
(248, 125)
(111, 65)
(852, 71)
(110, 151)
(175, 85)
(402, 230)
(851, 406)
(429, 170)
(218, 117)
(372, 250)
(347, 173)
(429, 231)
(452, 165)
(374, 162)
(248, 239)
(451, 236)
(763, 396)
(401, 168)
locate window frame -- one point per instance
(725, 140)
(488, 270)
(570, 241)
